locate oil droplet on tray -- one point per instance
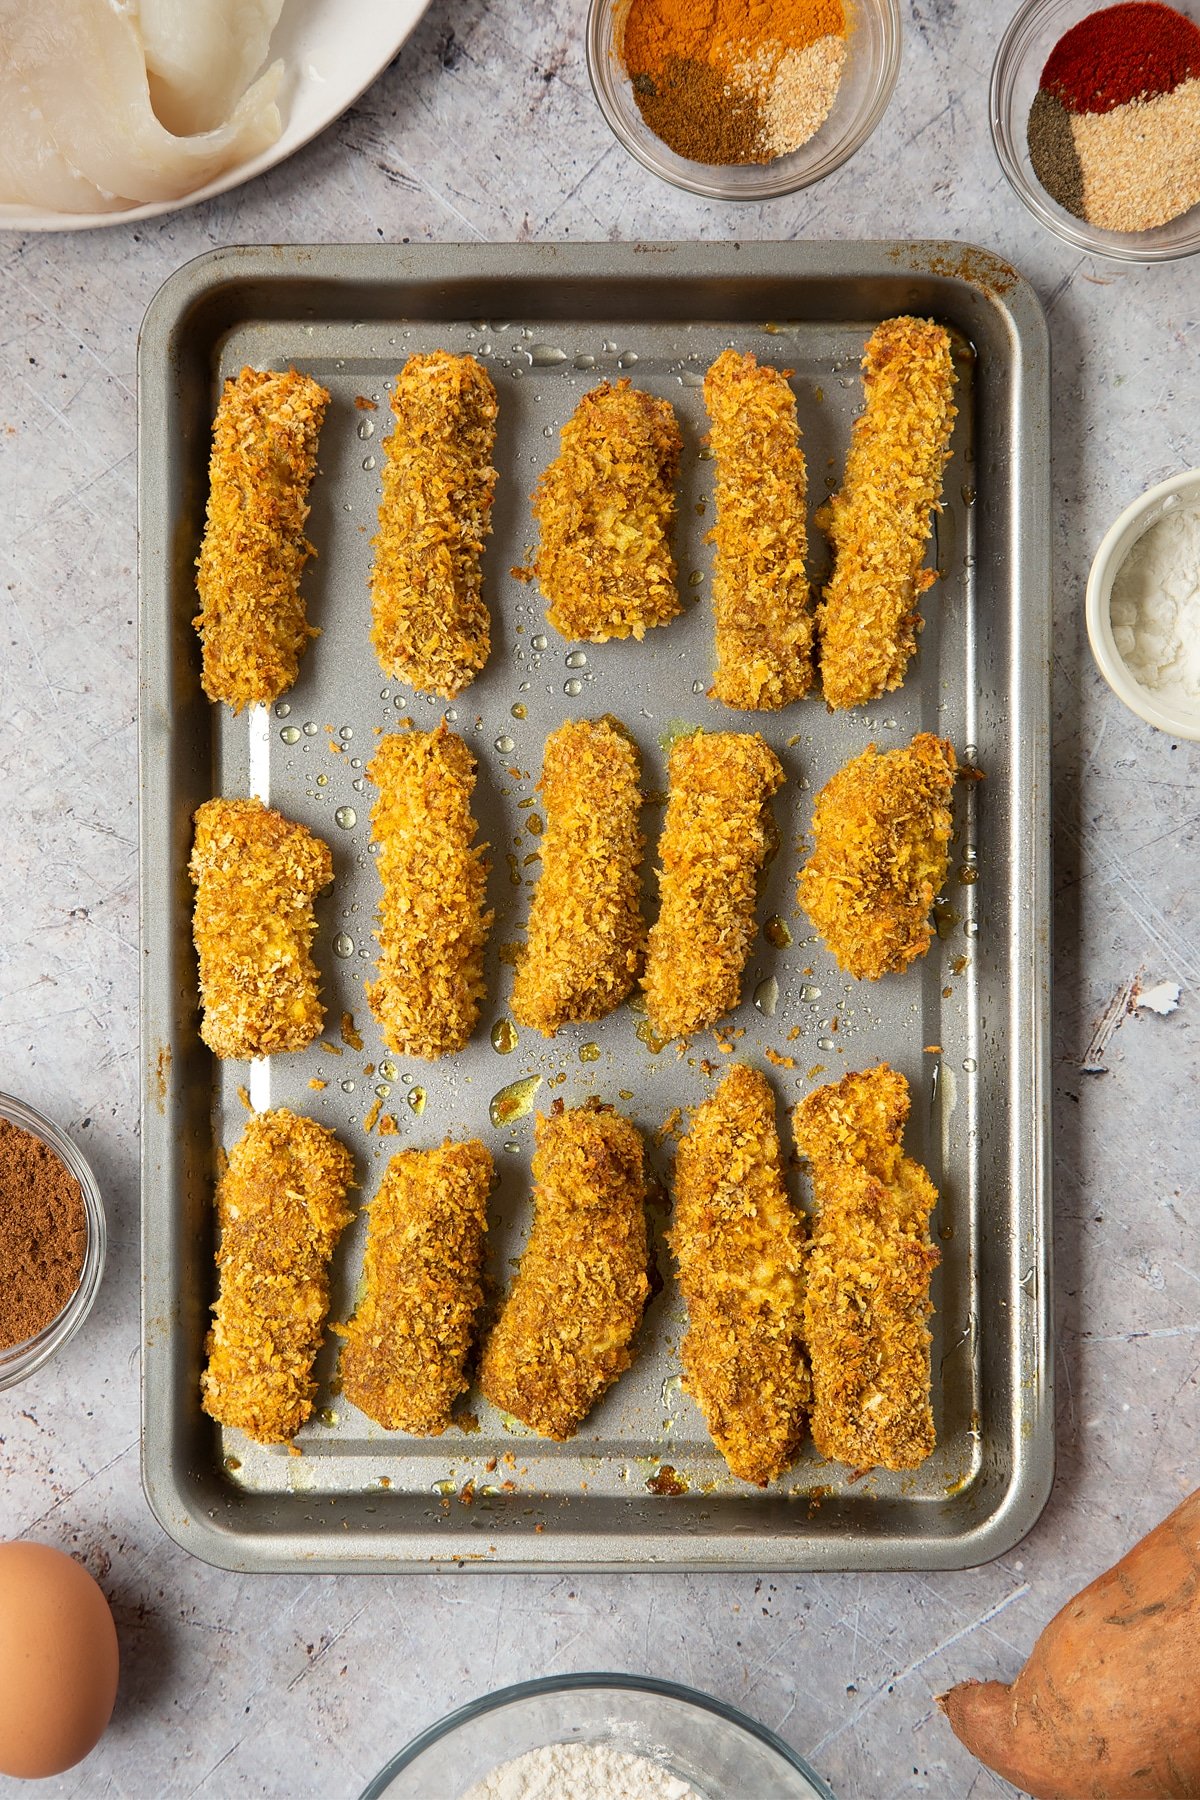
(645, 1032)
(766, 997)
(577, 660)
(810, 993)
(282, 710)
(505, 745)
(343, 945)
(589, 1053)
(520, 710)
(416, 1100)
(573, 687)
(347, 1087)
(346, 817)
(290, 735)
(538, 643)
(546, 356)
(514, 1101)
(504, 1037)
(366, 428)
(777, 932)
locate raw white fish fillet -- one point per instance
(201, 56)
(77, 130)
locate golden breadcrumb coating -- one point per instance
(432, 919)
(605, 508)
(252, 621)
(881, 833)
(586, 937)
(431, 628)
(577, 1298)
(879, 524)
(740, 1246)
(281, 1207)
(716, 837)
(255, 874)
(869, 1267)
(760, 590)
(405, 1354)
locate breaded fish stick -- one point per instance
(432, 918)
(431, 628)
(716, 837)
(281, 1206)
(255, 874)
(252, 621)
(880, 831)
(405, 1354)
(869, 1268)
(760, 590)
(586, 937)
(740, 1247)
(879, 524)
(605, 508)
(577, 1299)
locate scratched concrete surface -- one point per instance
(485, 128)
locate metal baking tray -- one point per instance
(641, 1486)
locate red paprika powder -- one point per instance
(1123, 53)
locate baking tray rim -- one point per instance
(173, 1492)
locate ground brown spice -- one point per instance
(43, 1235)
(690, 107)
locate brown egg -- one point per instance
(58, 1661)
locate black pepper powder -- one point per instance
(1052, 152)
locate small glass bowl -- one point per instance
(723, 1753)
(20, 1360)
(868, 79)
(1118, 541)
(1016, 75)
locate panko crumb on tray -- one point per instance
(761, 597)
(880, 522)
(869, 1266)
(881, 833)
(255, 875)
(716, 838)
(739, 1243)
(252, 621)
(433, 921)
(281, 1208)
(430, 627)
(566, 1329)
(586, 938)
(605, 509)
(405, 1353)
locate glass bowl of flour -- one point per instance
(1143, 606)
(597, 1737)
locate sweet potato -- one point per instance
(1108, 1705)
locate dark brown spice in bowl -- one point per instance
(43, 1235)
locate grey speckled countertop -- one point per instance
(485, 128)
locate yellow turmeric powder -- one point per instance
(728, 81)
(706, 30)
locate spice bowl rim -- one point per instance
(1115, 546)
(745, 182)
(23, 1359)
(1163, 243)
(599, 1682)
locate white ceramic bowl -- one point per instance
(1118, 542)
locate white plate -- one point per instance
(332, 51)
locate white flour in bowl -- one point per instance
(1155, 607)
(581, 1772)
